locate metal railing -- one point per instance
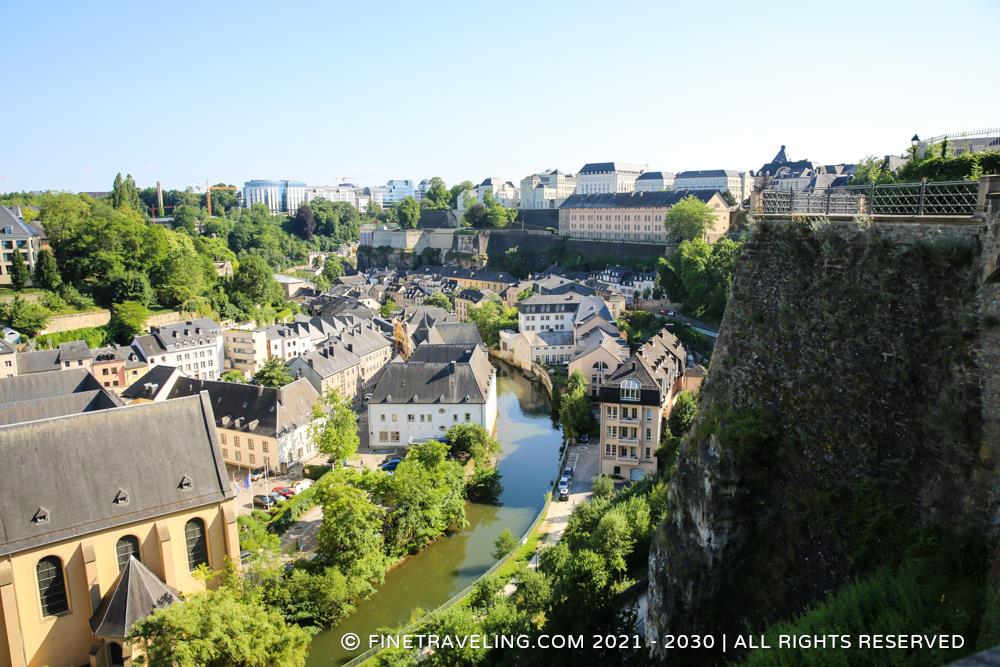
(948, 198)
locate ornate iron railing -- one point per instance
(958, 198)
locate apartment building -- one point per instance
(245, 350)
(17, 236)
(607, 177)
(738, 183)
(503, 191)
(438, 387)
(547, 189)
(467, 299)
(654, 181)
(8, 360)
(397, 190)
(333, 367)
(193, 346)
(634, 217)
(275, 196)
(90, 548)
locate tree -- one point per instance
(46, 272)
(504, 544)
(272, 373)
(373, 210)
(473, 440)
(683, 412)
(333, 269)
(388, 308)
(350, 537)
(305, 222)
(613, 539)
(475, 216)
(729, 198)
(19, 273)
(603, 486)
(219, 628)
(122, 286)
(255, 281)
(128, 320)
(491, 316)
(456, 190)
(233, 375)
(335, 427)
(437, 196)
(689, 218)
(574, 407)
(27, 318)
(185, 217)
(439, 299)
(408, 211)
(124, 194)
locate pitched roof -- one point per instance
(49, 384)
(172, 337)
(11, 217)
(328, 361)
(663, 199)
(437, 374)
(454, 333)
(706, 173)
(603, 167)
(134, 595)
(47, 360)
(654, 176)
(69, 471)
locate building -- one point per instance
(8, 359)
(547, 189)
(503, 191)
(194, 346)
(412, 327)
(438, 387)
(635, 401)
(71, 355)
(258, 426)
(275, 196)
(781, 173)
(599, 354)
(634, 217)
(737, 183)
(333, 367)
(116, 367)
(291, 285)
(422, 188)
(654, 181)
(245, 350)
(396, 191)
(140, 485)
(467, 299)
(454, 333)
(607, 177)
(28, 398)
(17, 235)
(345, 192)
(630, 283)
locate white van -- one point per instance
(302, 485)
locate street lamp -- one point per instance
(914, 142)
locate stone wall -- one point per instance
(94, 318)
(852, 400)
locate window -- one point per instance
(239, 456)
(236, 440)
(395, 436)
(127, 546)
(263, 446)
(250, 444)
(630, 389)
(411, 418)
(467, 416)
(197, 545)
(383, 436)
(225, 453)
(251, 459)
(51, 586)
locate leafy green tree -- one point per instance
(350, 537)
(473, 440)
(683, 412)
(504, 544)
(476, 216)
(575, 413)
(388, 308)
(185, 218)
(439, 299)
(124, 194)
(219, 628)
(233, 375)
(484, 486)
(491, 316)
(333, 269)
(46, 272)
(19, 273)
(613, 539)
(272, 373)
(497, 215)
(255, 281)
(437, 196)
(123, 285)
(374, 210)
(128, 320)
(26, 317)
(335, 427)
(456, 190)
(305, 222)
(603, 486)
(689, 218)
(704, 274)
(409, 213)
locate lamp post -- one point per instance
(914, 142)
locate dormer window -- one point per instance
(629, 389)
(121, 498)
(185, 483)
(41, 516)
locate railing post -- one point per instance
(871, 199)
(828, 191)
(791, 202)
(920, 201)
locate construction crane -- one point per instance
(208, 193)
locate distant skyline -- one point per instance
(185, 93)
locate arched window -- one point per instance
(600, 367)
(630, 389)
(197, 545)
(51, 586)
(127, 546)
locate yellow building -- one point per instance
(97, 508)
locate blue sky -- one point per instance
(186, 92)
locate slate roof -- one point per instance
(327, 362)
(11, 217)
(134, 595)
(599, 338)
(473, 295)
(663, 199)
(173, 337)
(454, 333)
(6, 348)
(656, 365)
(56, 406)
(590, 307)
(37, 386)
(654, 176)
(603, 167)
(47, 360)
(707, 173)
(437, 374)
(548, 338)
(120, 353)
(63, 475)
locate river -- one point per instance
(529, 463)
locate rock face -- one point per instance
(854, 397)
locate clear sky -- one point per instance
(186, 92)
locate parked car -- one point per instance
(584, 438)
(283, 491)
(568, 472)
(391, 464)
(264, 502)
(245, 556)
(256, 473)
(663, 311)
(276, 497)
(302, 485)
(389, 457)
(670, 313)
(563, 492)
(564, 481)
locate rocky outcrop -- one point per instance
(844, 410)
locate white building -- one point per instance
(194, 347)
(654, 181)
(606, 177)
(438, 387)
(276, 196)
(344, 192)
(738, 183)
(547, 189)
(422, 189)
(503, 191)
(396, 191)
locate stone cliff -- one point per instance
(854, 398)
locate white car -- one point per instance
(302, 485)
